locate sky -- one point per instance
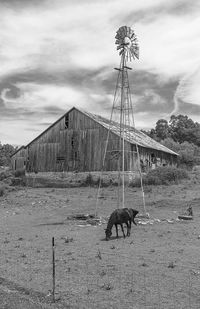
(56, 54)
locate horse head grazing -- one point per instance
(108, 233)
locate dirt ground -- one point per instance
(158, 266)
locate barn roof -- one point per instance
(131, 134)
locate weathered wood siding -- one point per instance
(76, 142)
(19, 159)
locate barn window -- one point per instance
(66, 121)
(133, 148)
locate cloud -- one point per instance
(56, 54)
(149, 14)
(187, 93)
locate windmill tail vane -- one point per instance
(127, 43)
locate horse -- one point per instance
(120, 216)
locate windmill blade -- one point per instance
(120, 32)
(119, 47)
(127, 43)
(130, 55)
(128, 33)
(134, 39)
(136, 53)
(123, 31)
(132, 33)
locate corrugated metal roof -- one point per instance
(131, 134)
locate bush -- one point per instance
(19, 172)
(18, 181)
(152, 180)
(2, 190)
(168, 174)
(91, 181)
(147, 181)
(188, 152)
(161, 176)
(5, 174)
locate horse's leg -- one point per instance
(129, 228)
(122, 230)
(116, 230)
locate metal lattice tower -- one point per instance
(122, 109)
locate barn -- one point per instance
(77, 140)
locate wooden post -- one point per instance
(53, 263)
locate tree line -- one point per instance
(180, 128)
(182, 135)
(6, 151)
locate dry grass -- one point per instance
(157, 267)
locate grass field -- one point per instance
(158, 266)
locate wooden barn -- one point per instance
(76, 142)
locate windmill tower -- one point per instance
(122, 109)
(127, 45)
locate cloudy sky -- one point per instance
(56, 54)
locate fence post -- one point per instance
(53, 264)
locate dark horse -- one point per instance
(120, 216)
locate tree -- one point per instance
(162, 129)
(5, 153)
(188, 152)
(151, 133)
(171, 144)
(182, 128)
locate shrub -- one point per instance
(5, 174)
(161, 176)
(18, 181)
(167, 175)
(88, 181)
(152, 180)
(2, 190)
(188, 152)
(91, 181)
(19, 172)
(146, 180)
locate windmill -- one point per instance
(122, 109)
